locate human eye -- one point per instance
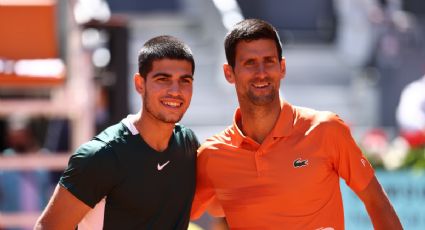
(187, 80)
(162, 79)
(249, 62)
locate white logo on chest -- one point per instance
(160, 167)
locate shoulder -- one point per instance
(307, 117)
(113, 133)
(185, 134)
(184, 131)
(217, 141)
(186, 137)
(101, 146)
(92, 161)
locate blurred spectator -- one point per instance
(22, 190)
(411, 113)
(375, 143)
(358, 23)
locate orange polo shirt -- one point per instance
(290, 181)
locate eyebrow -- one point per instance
(161, 74)
(271, 57)
(265, 57)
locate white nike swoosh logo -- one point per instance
(160, 167)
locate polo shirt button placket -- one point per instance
(258, 155)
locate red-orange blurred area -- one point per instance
(28, 32)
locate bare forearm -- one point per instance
(49, 225)
(63, 212)
(50, 220)
(379, 208)
(384, 217)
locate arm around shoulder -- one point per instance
(64, 211)
(378, 206)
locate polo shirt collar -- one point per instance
(283, 127)
(285, 122)
(237, 135)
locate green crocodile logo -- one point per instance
(300, 163)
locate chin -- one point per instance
(261, 100)
(172, 120)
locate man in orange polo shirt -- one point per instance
(278, 166)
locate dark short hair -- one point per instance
(249, 30)
(162, 47)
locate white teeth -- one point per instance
(172, 104)
(260, 85)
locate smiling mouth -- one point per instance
(172, 104)
(260, 85)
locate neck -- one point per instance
(155, 133)
(258, 121)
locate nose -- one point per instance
(174, 89)
(261, 70)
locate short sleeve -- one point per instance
(91, 173)
(205, 198)
(348, 159)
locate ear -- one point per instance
(139, 83)
(228, 73)
(283, 67)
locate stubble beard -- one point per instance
(261, 100)
(158, 115)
